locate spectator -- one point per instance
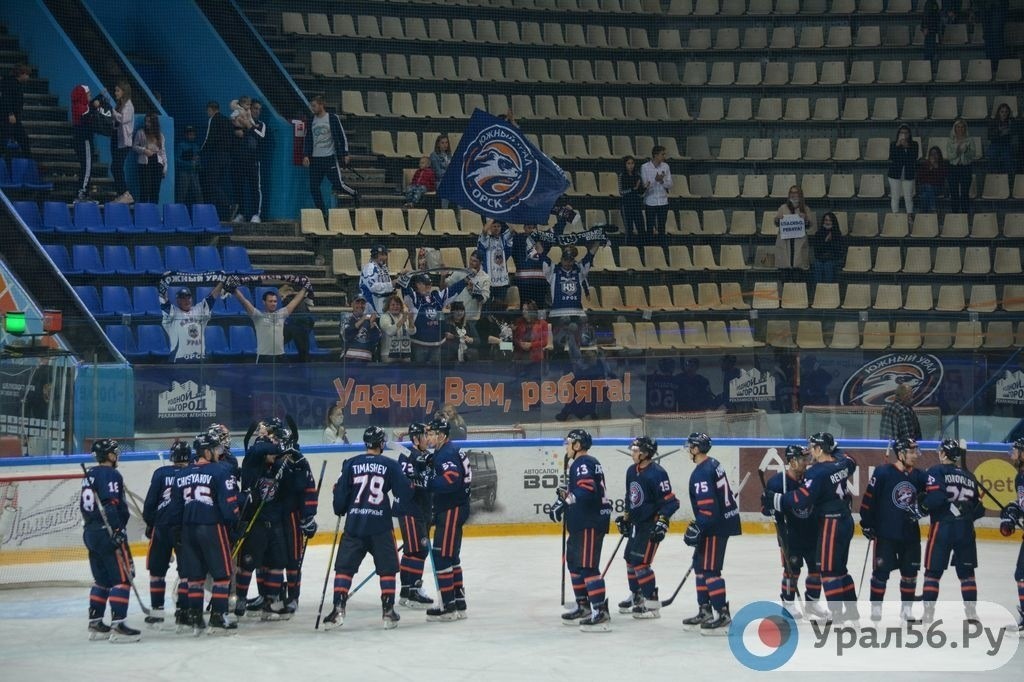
(186, 188)
(931, 179)
(81, 137)
(269, 323)
(631, 189)
(423, 181)
(814, 381)
(375, 283)
(531, 336)
(590, 367)
(961, 153)
(829, 249)
(334, 426)
(215, 156)
(931, 27)
(12, 106)
(657, 179)
(568, 282)
(121, 142)
(299, 324)
(426, 305)
(241, 123)
(661, 388)
(729, 372)
(993, 23)
(693, 390)
(898, 418)
(185, 324)
(564, 214)
(494, 247)
(252, 165)
(396, 326)
(791, 251)
(461, 340)
(325, 146)
(527, 252)
(475, 296)
(903, 155)
(361, 333)
(459, 430)
(1001, 133)
(151, 156)
(440, 158)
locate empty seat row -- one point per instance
(984, 298)
(881, 335)
(148, 342)
(670, 336)
(22, 174)
(665, 298)
(57, 217)
(948, 260)
(887, 72)
(117, 260)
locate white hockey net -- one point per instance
(858, 421)
(41, 532)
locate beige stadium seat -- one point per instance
(812, 37)
(843, 7)
(950, 298)
(732, 296)
(679, 257)
(629, 259)
(888, 260)
(968, 335)
(845, 336)
(682, 297)
(765, 296)
(813, 185)
(1008, 71)
(731, 149)
(847, 149)
(907, 336)
(918, 260)
(636, 298)
(872, 186)
(749, 74)
(708, 297)
(947, 260)
(794, 296)
(864, 225)
(1007, 261)
(855, 109)
(977, 260)
(1013, 226)
(339, 221)
(393, 223)
(671, 336)
(783, 38)
(915, 108)
(895, 226)
(868, 36)
(926, 226)
(776, 73)
(826, 296)
(319, 25)
(999, 335)
(779, 334)
(713, 222)
(890, 72)
(840, 186)
(781, 182)
(955, 226)
(322, 64)
(809, 335)
(876, 149)
(416, 29)
(604, 260)
(997, 187)
(373, 66)
(919, 297)
(764, 258)
(705, 8)
(983, 298)
(984, 226)
(726, 187)
(945, 108)
(346, 65)
(742, 223)
(704, 258)
(312, 222)
(731, 257)
(884, 109)
(888, 297)
(381, 143)
(1013, 298)
(937, 336)
(818, 149)
(660, 298)
(1018, 186)
(857, 297)
(862, 73)
(754, 186)
(826, 109)
(343, 263)
(693, 335)
(292, 22)
(768, 109)
(741, 335)
(755, 38)
(979, 71)
(366, 221)
(876, 336)
(797, 109)
(920, 71)
(722, 73)
(625, 338)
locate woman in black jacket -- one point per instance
(632, 192)
(903, 156)
(829, 249)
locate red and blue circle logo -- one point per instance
(763, 636)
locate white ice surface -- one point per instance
(513, 631)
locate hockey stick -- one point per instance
(565, 527)
(1018, 523)
(671, 599)
(327, 577)
(864, 570)
(615, 553)
(122, 553)
(780, 532)
(367, 578)
(305, 539)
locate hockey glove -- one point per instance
(118, 537)
(556, 511)
(308, 526)
(914, 512)
(562, 493)
(692, 536)
(624, 524)
(660, 529)
(1006, 528)
(869, 533)
(771, 500)
(149, 532)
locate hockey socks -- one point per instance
(579, 587)
(342, 585)
(878, 588)
(834, 589)
(219, 600)
(182, 596)
(118, 601)
(98, 601)
(157, 588)
(1020, 594)
(931, 588)
(702, 589)
(446, 582)
(294, 584)
(411, 568)
(596, 592)
(716, 591)
(812, 587)
(969, 589)
(645, 580)
(242, 580)
(631, 578)
(788, 590)
(387, 587)
(457, 580)
(849, 588)
(272, 581)
(908, 588)
(195, 595)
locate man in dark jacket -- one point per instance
(215, 155)
(12, 104)
(325, 152)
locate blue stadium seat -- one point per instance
(314, 349)
(118, 217)
(59, 255)
(217, 343)
(88, 218)
(90, 299)
(201, 293)
(116, 301)
(178, 259)
(208, 259)
(205, 218)
(122, 337)
(147, 218)
(56, 216)
(87, 259)
(117, 258)
(5, 177)
(176, 218)
(236, 260)
(148, 260)
(152, 341)
(242, 339)
(25, 173)
(28, 211)
(145, 301)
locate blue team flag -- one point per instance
(496, 172)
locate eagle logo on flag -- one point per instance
(499, 170)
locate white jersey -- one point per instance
(376, 287)
(495, 251)
(186, 332)
(269, 329)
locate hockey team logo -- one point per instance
(875, 383)
(752, 385)
(636, 495)
(904, 494)
(763, 636)
(569, 286)
(1010, 388)
(499, 171)
(187, 400)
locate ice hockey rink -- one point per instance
(513, 631)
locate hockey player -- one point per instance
(375, 283)
(209, 512)
(163, 528)
(650, 503)
(102, 503)
(1011, 518)
(449, 487)
(953, 501)
(584, 503)
(361, 495)
(416, 465)
(798, 536)
(824, 490)
(300, 506)
(889, 516)
(223, 435)
(716, 517)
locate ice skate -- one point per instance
(581, 611)
(718, 626)
(626, 605)
(98, 630)
(704, 614)
(122, 634)
(598, 621)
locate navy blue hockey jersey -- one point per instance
(649, 493)
(951, 494)
(590, 507)
(161, 508)
(106, 484)
(207, 495)
(452, 478)
(824, 489)
(887, 501)
(715, 508)
(415, 465)
(361, 493)
(801, 527)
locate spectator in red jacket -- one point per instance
(530, 335)
(931, 179)
(423, 181)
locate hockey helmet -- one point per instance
(439, 425)
(1018, 445)
(901, 445)
(952, 450)
(701, 441)
(102, 449)
(581, 436)
(180, 452)
(824, 440)
(374, 437)
(416, 429)
(221, 433)
(794, 452)
(648, 446)
(204, 442)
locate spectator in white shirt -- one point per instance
(269, 323)
(657, 181)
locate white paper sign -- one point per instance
(792, 227)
